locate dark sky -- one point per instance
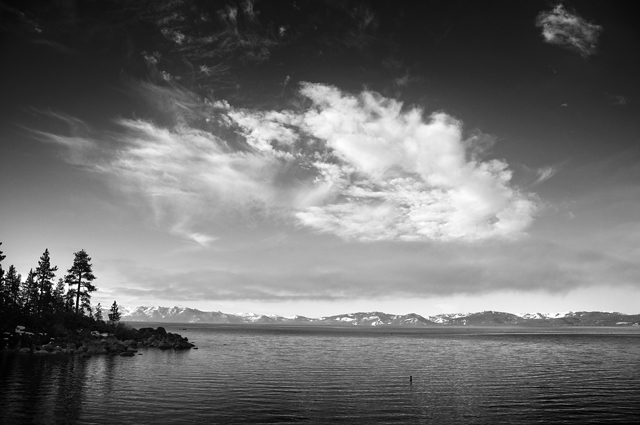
(284, 157)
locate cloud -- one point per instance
(544, 174)
(399, 176)
(616, 100)
(360, 167)
(186, 176)
(325, 269)
(569, 31)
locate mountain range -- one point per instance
(376, 318)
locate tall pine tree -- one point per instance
(3, 288)
(59, 296)
(30, 294)
(2, 257)
(79, 278)
(45, 274)
(12, 281)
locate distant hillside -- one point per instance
(376, 318)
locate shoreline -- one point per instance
(89, 343)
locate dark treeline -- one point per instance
(55, 307)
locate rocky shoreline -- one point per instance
(89, 343)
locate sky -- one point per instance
(326, 157)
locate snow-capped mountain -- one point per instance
(376, 318)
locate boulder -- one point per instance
(128, 354)
(164, 345)
(41, 352)
(24, 350)
(185, 344)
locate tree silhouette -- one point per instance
(59, 296)
(12, 281)
(45, 274)
(30, 293)
(114, 314)
(98, 315)
(3, 289)
(81, 275)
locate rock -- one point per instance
(160, 331)
(41, 352)
(128, 354)
(185, 344)
(92, 350)
(25, 350)
(101, 350)
(85, 355)
(164, 345)
(131, 350)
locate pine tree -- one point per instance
(13, 280)
(81, 275)
(2, 257)
(30, 293)
(114, 314)
(3, 287)
(59, 296)
(98, 315)
(45, 274)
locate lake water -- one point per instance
(279, 374)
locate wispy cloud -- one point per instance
(569, 30)
(544, 174)
(360, 167)
(325, 270)
(616, 100)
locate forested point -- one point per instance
(39, 309)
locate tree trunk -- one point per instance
(78, 293)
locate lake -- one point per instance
(284, 374)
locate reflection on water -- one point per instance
(273, 374)
(45, 390)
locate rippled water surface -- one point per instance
(271, 374)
